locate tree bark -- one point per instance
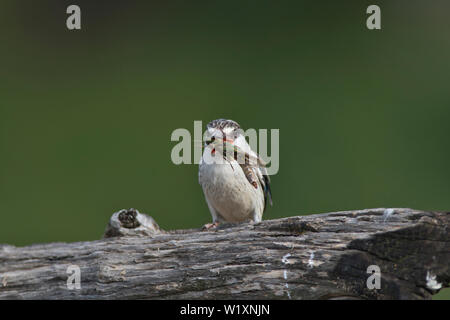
(322, 256)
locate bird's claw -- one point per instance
(210, 226)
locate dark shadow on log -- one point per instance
(323, 256)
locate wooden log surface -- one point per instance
(321, 256)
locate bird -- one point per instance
(233, 177)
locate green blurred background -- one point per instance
(86, 116)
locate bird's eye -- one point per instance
(211, 140)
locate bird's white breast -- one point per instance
(229, 192)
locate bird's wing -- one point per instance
(261, 172)
(264, 181)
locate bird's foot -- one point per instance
(210, 226)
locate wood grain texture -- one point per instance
(322, 256)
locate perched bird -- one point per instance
(233, 177)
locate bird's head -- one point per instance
(222, 130)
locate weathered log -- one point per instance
(322, 256)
